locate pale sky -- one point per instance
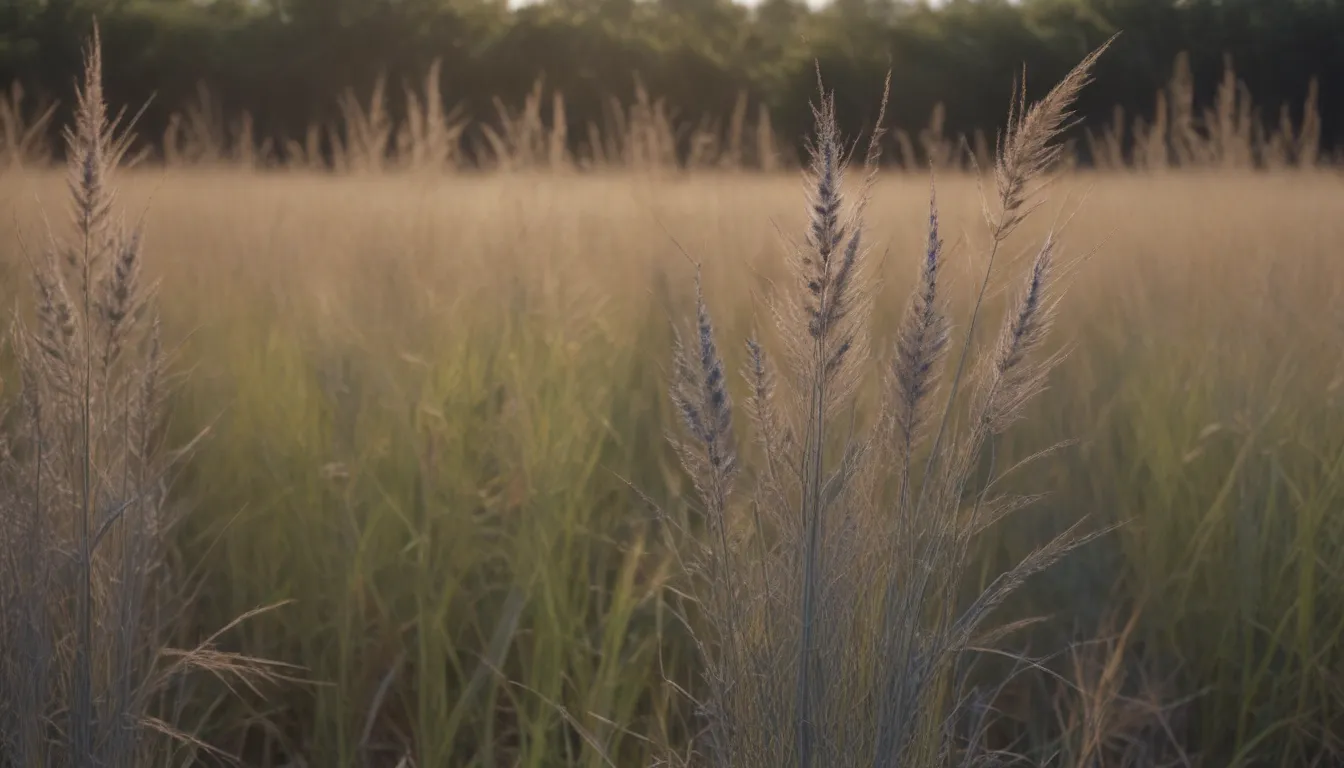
(812, 3)
(818, 3)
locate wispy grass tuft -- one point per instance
(832, 624)
(87, 592)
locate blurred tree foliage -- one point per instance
(285, 61)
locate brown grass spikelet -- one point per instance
(921, 341)
(87, 143)
(23, 132)
(429, 140)
(1015, 375)
(367, 129)
(1029, 146)
(762, 406)
(121, 298)
(824, 328)
(700, 395)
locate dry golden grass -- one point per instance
(426, 397)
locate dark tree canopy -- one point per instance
(285, 61)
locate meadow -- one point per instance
(429, 418)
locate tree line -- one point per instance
(286, 63)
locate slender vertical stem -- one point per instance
(812, 531)
(83, 714)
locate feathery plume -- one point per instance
(700, 394)
(1016, 378)
(1030, 145)
(921, 340)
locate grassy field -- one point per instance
(425, 404)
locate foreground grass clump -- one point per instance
(429, 402)
(88, 588)
(831, 594)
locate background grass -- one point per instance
(428, 401)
